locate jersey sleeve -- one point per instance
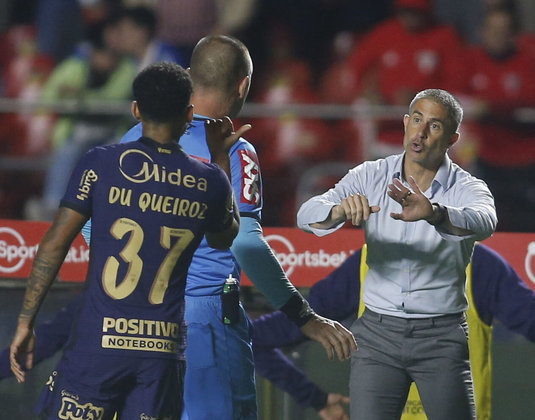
(82, 184)
(221, 210)
(246, 179)
(337, 295)
(499, 293)
(272, 364)
(131, 135)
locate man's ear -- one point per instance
(406, 119)
(453, 139)
(135, 111)
(243, 87)
(189, 113)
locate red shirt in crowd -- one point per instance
(403, 62)
(504, 85)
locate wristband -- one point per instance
(298, 309)
(443, 213)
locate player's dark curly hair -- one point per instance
(162, 91)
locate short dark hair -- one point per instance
(141, 16)
(443, 97)
(162, 91)
(220, 62)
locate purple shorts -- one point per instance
(97, 387)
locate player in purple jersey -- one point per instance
(151, 204)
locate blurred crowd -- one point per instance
(370, 55)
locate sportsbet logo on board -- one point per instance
(290, 258)
(14, 252)
(19, 242)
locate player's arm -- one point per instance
(222, 239)
(336, 297)
(273, 365)
(500, 293)
(258, 261)
(220, 137)
(48, 260)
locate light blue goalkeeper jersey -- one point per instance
(210, 267)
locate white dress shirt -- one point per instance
(415, 269)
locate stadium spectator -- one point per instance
(499, 82)
(108, 368)
(413, 328)
(182, 23)
(137, 28)
(496, 293)
(396, 59)
(94, 73)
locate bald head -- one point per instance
(219, 63)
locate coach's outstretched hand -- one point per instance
(332, 335)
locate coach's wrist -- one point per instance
(438, 216)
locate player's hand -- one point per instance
(414, 204)
(220, 136)
(22, 346)
(355, 208)
(334, 410)
(332, 335)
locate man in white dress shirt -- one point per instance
(422, 215)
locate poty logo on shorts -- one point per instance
(527, 262)
(13, 250)
(71, 409)
(290, 259)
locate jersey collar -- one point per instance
(167, 148)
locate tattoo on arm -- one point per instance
(50, 256)
(43, 274)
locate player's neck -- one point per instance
(210, 105)
(161, 133)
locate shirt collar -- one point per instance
(167, 148)
(441, 178)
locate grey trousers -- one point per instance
(393, 352)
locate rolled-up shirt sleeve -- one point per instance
(476, 211)
(318, 208)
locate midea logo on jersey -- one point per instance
(149, 170)
(289, 259)
(152, 171)
(14, 252)
(528, 260)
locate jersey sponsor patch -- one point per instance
(89, 177)
(250, 188)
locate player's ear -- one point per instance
(189, 113)
(243, 87)
(135, 111)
